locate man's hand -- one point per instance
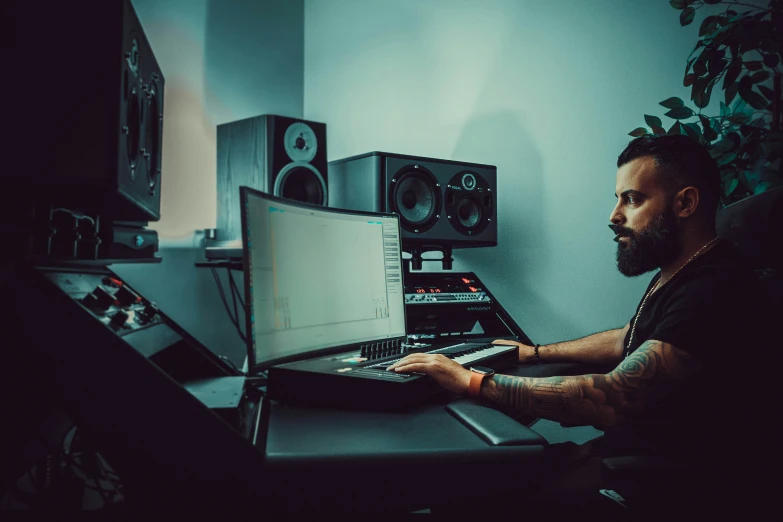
(449, 374)
(526, 353)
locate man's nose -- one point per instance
(616, 217)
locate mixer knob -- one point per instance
(100, 299)
(148, 313)
(127, 297)
(119, 319)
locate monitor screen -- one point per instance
(317, 278)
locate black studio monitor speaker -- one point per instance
(86, 111)
(282, 156)
(441, 203)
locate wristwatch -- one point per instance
(479, 373)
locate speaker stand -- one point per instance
(416, 261)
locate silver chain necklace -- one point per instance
(641, 307)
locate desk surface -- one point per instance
(426, 452)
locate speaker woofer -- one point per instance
(414, 194)
(300, 181)
(468, 212)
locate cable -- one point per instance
(223, 295)
(235, 295)
(236, 288)
(231, 363)
(77, 215)
(234, 319)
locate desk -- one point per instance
(344, 460)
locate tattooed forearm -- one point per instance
(599, 400)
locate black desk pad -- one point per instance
(328, 459)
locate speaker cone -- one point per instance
(468, 212)
(415, 196)
(301, 182)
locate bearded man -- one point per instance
(674, 390)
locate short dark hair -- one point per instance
(682, 162)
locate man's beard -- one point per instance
(655, 246)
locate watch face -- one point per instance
(482, 369)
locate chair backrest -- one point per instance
(755, 226)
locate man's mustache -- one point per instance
(620, 230)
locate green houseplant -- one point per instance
(738, 53)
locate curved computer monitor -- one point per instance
(317, 279)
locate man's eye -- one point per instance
(631, 200)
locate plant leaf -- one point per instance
(754, 65)
(731, 92)
(653, 121)
(699, 68)
(638, 131)
(689, 79)
(701, 96)
(672, 103)
(766, 91)
(708, 133)
(712, 1)
(686, 17)
(721, 147)
(680, 113)
(675, 129)
(705, 28)
(725, 159)
(734, 138)
(754, 99)
(760, 76)
(692, 130)
(716, 64)
(761, 187)
(770, 60)
(731, 186)
(734, 70)
(678, 4)
(739, 118)
(658, 131)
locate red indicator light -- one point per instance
(473, 289)
(419, 290)
(466, 280)
(437, 290)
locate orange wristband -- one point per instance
(474, 387)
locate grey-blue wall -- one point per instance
(547, 91)
(223, 60)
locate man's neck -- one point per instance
(691, 246)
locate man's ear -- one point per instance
(686, 201)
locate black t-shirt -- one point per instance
(707, 309)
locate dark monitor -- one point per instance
(317, 278)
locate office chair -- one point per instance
(653, 486)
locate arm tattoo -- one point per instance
(654, 370)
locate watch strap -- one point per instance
(474, 387)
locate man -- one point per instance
(670, 392)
